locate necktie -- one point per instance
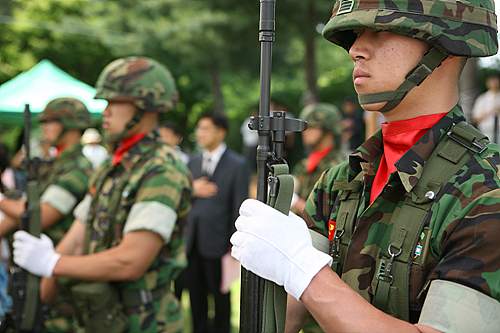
(207, 166)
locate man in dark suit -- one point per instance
(220, 185)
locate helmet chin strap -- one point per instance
(58, 140)
(429, 62)
(115, 140)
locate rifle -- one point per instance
(263, 304)
(24, 287)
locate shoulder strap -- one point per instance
(348, 200)
(391, 283)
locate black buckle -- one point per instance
(474, 146)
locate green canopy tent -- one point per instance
(39, 85)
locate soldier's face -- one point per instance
(382, 60)
(116, 116)
(51, 130)
(312, 136)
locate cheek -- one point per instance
(51, 130)
(392, 65)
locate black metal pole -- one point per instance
(252, 286)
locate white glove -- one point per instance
(276, 247)
(36, 255)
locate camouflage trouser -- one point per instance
(162, 316)
(60, 317)
(61, 325)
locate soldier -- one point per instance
(322, 139)
(63, 185)
(412, 217)
(126, 238)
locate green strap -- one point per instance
(349, 197)
(391, 291)
(275, 297)
(430, 61)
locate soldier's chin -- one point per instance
(373, 107)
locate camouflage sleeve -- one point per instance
(157, 203)
(467, 243)
(75, 181)
(320, 202)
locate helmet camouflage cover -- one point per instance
(70, 112)
(143, 80)
(461, 28)
(322, 115)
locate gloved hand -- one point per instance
(36, 255)
(276, 247)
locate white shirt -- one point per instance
(95, 153)
(212, 158)
(486, 104)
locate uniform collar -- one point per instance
(138, 149)
(410, 166)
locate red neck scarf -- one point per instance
(315, 158)
(398, 137)
(59, 149)
(125, 146)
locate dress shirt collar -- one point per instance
(215, 155)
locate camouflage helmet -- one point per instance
(143, 80)
(461, 28)
(322, 115)
(70, 112)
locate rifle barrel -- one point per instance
(252, 286)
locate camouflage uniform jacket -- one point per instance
(464, 222)
(307, 180)
(64, 186)
(149, 189)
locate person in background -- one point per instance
(172, 136)
(220, 185)
(322, 140)
(6, 174)
(125, 245)
(6, 183)
(486, 108)
(63, 184)
(92, 148)
(353, 124)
